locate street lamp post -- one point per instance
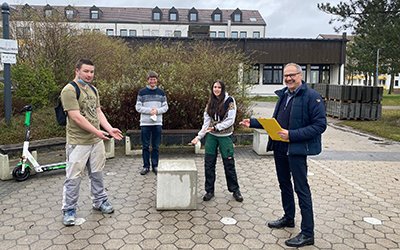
(5, 10)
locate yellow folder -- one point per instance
(272, 127)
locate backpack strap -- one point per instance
(78, 90)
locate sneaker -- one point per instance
(155, 170)
(144, 171)
(69, 217)
(208, 196)
(105, 208)
(238, 196)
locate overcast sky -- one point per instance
(284, 18)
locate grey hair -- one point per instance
(298, 67)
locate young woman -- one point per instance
(219, 119)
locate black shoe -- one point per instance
(155, 170)
(281, 223)
(300, 241)
(144, 171)
(208, 196)
(238, 196)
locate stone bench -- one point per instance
(169, 137)
(176, 185)
(260, 140)
(9, 150)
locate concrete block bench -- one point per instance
(260, 140)
(176, 185)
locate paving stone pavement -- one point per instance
(355, 178)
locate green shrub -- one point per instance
(34, 84)
(185, 74)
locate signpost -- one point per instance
(8, 50)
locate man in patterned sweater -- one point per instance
(151, 104)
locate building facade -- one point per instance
(322, 60)
(160, 22)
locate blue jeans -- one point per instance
(153, 133)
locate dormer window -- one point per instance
(193, 15)
(173, 14)
(27, 11)
(217, 15)
(48, 13)
(70, 12)
(237, 15)
(48, 10)
(156, 14)
(95, 12)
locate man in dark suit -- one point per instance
(300, 111)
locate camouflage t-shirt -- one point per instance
(87, 104)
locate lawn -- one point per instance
(391, 100)
(387, 127)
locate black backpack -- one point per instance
(61, 115)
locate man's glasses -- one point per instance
(291, 75)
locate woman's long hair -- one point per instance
(215, 103)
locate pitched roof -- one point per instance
(144, 15)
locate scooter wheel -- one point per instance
(18, 175)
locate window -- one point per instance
(177, 33)
(109, 32)
(320, 74)
(237, 17)
(132, 33)
(304, 71)
(123, 32)
(23, 32)
(96, 30)
(156, 16)
(396, 83)
(94, 14)
(213, 34)
(252, 75)
(193, 17)
(217, 17)
(69, 14)
(146, 32)
(256, 34)
(243, 34)
(168, 33)
(221, 34)
(235, 34)
(273, 74)
(48, 13)
(86, 30)
(173, 17)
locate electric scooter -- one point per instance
(23, 170)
